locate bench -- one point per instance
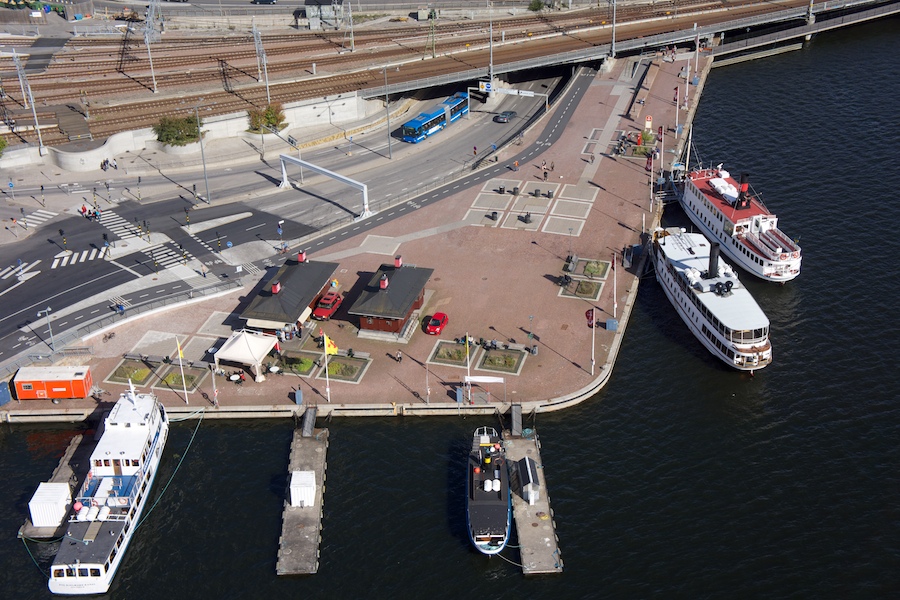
(362, 355)
(133, 357)
(520, 347)
(153, 358)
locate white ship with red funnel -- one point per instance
(731, 214)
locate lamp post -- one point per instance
(202, 152)
(49, 328)
(387, 112)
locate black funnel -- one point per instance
(713, 261)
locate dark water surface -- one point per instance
(680, 480)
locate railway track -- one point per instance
(223, 69)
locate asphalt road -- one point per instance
(169, 261)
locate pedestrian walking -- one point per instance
(544, 164)
(203, 271)
(545, 175)
(516, 166)
(592, 158)
(399, 357)
(551, 166)
(83, 210)
(115, 165)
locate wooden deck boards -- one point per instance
(298, 552)
(535, 525)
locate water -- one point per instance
(681, 479)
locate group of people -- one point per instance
(106, 164)
(90, 213)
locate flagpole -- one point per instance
(181, 366)
(215, 391)
(327, 382)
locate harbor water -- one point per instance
(681, 479)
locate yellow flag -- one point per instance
(330, 346)
(178, 344)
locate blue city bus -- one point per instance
(428, 123)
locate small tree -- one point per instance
(177, 131)
(536, 5)
(2, 145)
(271, 116)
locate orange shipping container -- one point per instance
(34, 383)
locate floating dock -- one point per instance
(535, 525)
(72, 466)
(301, 522)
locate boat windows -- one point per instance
(82, 572)
(70, 572)
(95, 572)
(106, 462)
(98, 463)
(59, 572)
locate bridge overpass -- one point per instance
(755, 32)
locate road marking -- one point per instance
(255, 227)
(95, 311)
(79, 317)
(143, 295)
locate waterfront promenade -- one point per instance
(497, 279)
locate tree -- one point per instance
(2, 145)
(536, 5)
(177, 131)
(271, 116)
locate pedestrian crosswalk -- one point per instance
(70, 257)
(37, 217)
(119, 300)
(119, 227)
(164, 256)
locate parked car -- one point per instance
(262, 1)
(327, 306)
(437, 323)
(506, 116)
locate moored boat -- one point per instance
(732, 214)
(710, 299)
(489, 504)
(108, 508)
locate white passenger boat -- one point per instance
(108, 508)
(489, 504)
(710, 299)
(733, 215)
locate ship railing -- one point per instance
(762, 245)
(787, 243)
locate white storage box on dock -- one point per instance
(49, 504)
(303, 488)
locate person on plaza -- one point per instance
(83, 210)
(115, 165)
(592, 158)
(399, 357)
(516, 166)
(243, 377)
(551, 166)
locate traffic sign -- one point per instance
(229, 244)
(11, 186)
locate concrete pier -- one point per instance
(535, 525)
(71, 469)
(298, 552)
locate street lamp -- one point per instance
(202, 152)
(387, 112)
(49, 328)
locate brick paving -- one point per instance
(495, 279)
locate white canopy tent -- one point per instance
(247, 348)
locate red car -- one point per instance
(327, 306)
(436, 324)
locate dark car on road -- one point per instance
(506, 116)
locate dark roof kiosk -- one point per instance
(392, 295)
(289, 297)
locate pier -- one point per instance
(73, 459)
(301, 522)
(535, 525)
